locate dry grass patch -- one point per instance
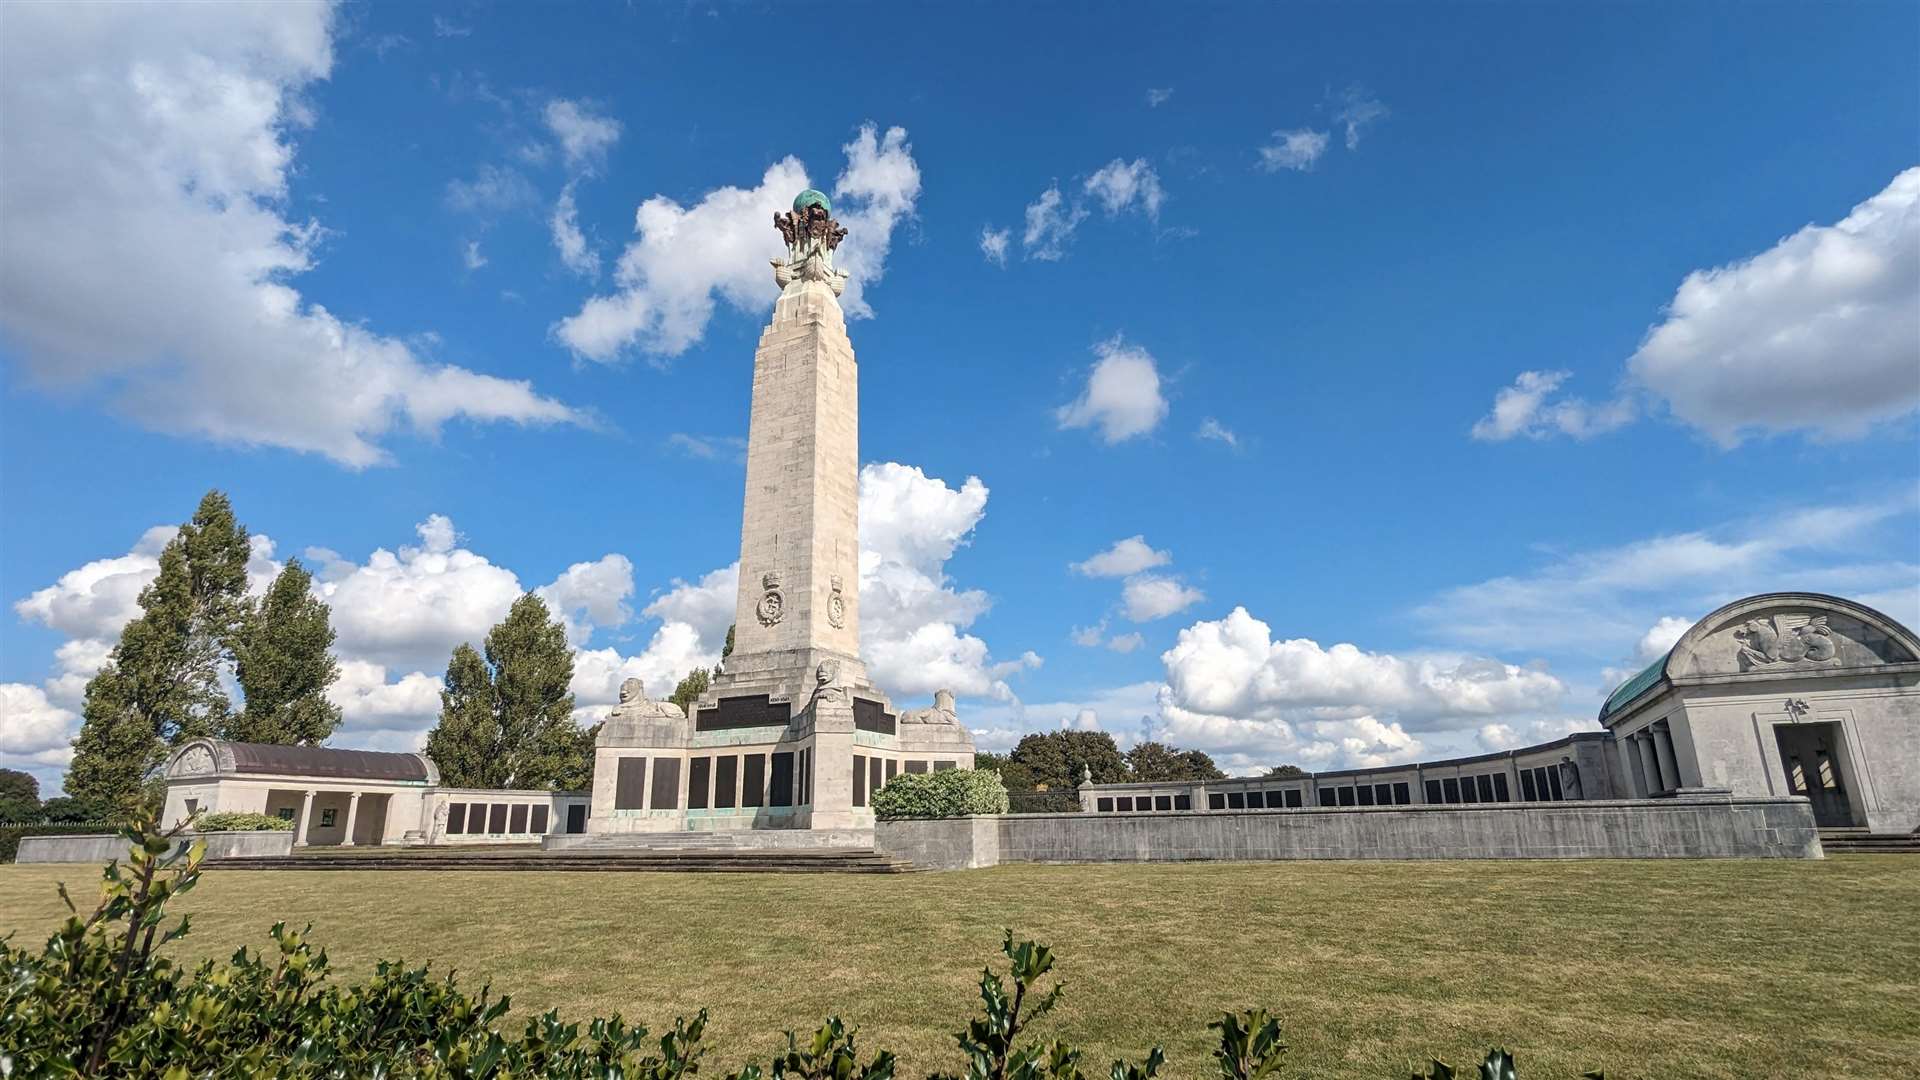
(1728, 969)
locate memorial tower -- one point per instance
(792, 734)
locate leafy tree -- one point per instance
(1053, 760)
(990, 761)
(507, 720)
(19, 796)
(1160, 762)
(690, 688)
(283, 662)
(162, 683)
(66, 810)
(1287, 772)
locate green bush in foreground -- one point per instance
(948, 793)
(241, 821)
(98, 1000)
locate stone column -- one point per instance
(1663, 752)
(306, 818)
(1643, 754)
(833, 765)
(353, 811)
(1629, 752)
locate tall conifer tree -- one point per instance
(283, 664)
(507, 721)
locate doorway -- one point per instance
(1810, 754)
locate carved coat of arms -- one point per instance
(1786, 639)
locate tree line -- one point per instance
(206, 657)
(1045, 768)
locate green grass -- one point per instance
(1646, 969)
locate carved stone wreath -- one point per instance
(772, 606)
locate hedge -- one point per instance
(241, 821)
(948, 793)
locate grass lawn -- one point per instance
(1645, 969)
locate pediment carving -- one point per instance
(1795, 638)
(194, 761)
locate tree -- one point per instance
(507, 720)
(1159, 762)
(690, 689)
(19, 796)
(162, 683)
(1286, 772)
(66, 810)
(283, 662)
(1053, 760)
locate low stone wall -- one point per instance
(103, 848)
(1689, 828)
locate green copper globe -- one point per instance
(811, 197)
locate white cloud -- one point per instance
(144, 170)
(1050, 225)
(1495, 737)
(1218, 432)
(709, 447)
(1146, 597)
(494, 189)
(1230, 686)
(1158, 97)
(585, 133)
(683, 259)
(1524, 409)
(993, 244)
(369, 703)
(1357, 110)
(1126, 643)
(1122, 396)
(1121, 185)
(1661, 636)
(471, 256)
(97, 599)
(1297, 149)
(568, 240)
(1128, 556)
(589, 595)
(705, 605)
(34, 732)
(444, 27)
(1820, 333)
(408, 609)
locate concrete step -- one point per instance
(1858, 841)
(689, 860)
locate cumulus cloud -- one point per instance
(1661, 636)
(1050, 225)
(1128, 556)
(1820, 333)
(409, 607)
(1122, 396)
(1297, 149)
(705, 605)
(591, 594)
(993, 244)
(1126, 643)
(1123, 185)
(98, 598)
(683, 260)
(146, 159)
(585, 134)
(1146, 597)
(34, 732)
(1229, 684)
(1529, 407)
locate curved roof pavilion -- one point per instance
(222, 758)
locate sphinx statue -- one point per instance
(942, 711)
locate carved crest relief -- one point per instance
(1786, 639)
(197, 761)
(772, 605)
(837, 605)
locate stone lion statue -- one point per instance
(635, 704)
(942, 712)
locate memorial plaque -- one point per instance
(630, 784)
(1553, 783)
(1326, 797)
(1452, 787)
(666, 783)
(539, 826)
(1236, 800)
(893, 768)
(517, 818)
(497, 819)
(1293, 798)
(1402, 794)
(859, 780)
(753, 780)
(747, 711)
(780, 792)
(1216, 801)
(1365, 791)
(699, 782)
(1346, 796)
(1103, 804)
(1500, 792)
(1383, 794)
(806, 778)
(1433, 792)
(943, 766)
(874, 779)
(1124, 804)
(870, 716)
(456, 819)
(1468, 792)
(916, 766)
(1183, 802)
(1526, 786)
(1484, 784)
(1163, 802)
(726, 776)
(1256, 800)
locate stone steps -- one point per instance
(627, 860)
(1859, 841)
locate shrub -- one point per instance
(99, 1000)
(241, 821)
(949, 793)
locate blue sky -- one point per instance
(1444, 360)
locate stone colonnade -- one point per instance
(1650, 751)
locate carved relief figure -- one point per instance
(195, 762)
(636, 705)
(824, 689)
(942, 711)
(1570, 779)
(836, 605)
(811, 235)
(1785, 640)
(439, 823)
(772, 605)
